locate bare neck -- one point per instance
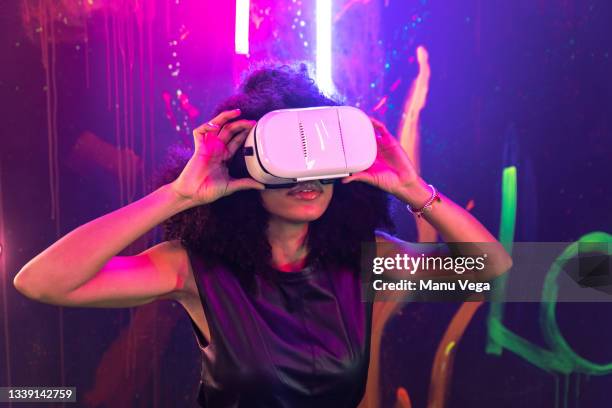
(288, 244)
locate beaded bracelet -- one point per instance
(427, 207)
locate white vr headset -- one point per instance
(287, 146)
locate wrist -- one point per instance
(174, 199)
(414, 194)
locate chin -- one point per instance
(305, 206)
(303, 214)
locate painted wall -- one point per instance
(94, 94)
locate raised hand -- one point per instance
(205, 177)
(392, 170)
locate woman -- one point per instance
(269, 278)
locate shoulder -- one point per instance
(389, 245)
(171, 257)
(168, 253)
(383, 237)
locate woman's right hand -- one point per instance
(205, 177)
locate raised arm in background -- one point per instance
(83, 269)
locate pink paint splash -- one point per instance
(167, 98)
(395, 84)
(191, 111)
(381, 103)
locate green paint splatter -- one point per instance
(506, 238)
(548, 317)
(559, 358)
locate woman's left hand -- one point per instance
(392, 170)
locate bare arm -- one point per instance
(89, 251)
(83, 269)
(465, 235)
(394, 173)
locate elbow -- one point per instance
(20, 284)
(502, 266)
(25, 285)
(506, 264)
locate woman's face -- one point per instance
(304, 202)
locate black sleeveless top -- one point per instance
(302, 340)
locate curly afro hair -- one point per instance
(232, 230)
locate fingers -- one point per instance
(200, 132)
(235, 143)
(384, 138)
(243, 184)
(361, 176)
(213, 126)
(224, 116)
(381, 128)
(230, 130)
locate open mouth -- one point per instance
(306, 190)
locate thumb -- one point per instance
(244, 184)
(361, 176)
